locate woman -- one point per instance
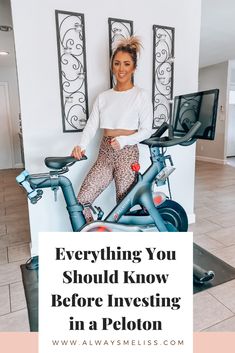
(125, 115)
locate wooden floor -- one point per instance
(14, 250)
(214, 230)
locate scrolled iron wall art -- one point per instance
(163, 73)
(118, 29)
(72, 69)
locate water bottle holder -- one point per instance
(164, 174)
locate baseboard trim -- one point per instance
(211, 160)
(19, 165)
(191, 218)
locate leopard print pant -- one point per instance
(111, 164)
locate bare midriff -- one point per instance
(118, 132)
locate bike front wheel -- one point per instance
(174, 216)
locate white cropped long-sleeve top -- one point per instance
(129, 110)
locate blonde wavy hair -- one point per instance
(131, 45)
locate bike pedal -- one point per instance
(100, 213)
(165, 172)
(89, 205)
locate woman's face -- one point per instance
(123, 67)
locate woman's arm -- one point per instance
(91, 127)
(89, 131)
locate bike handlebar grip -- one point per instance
(192, 131)
(160, 131)
(188, 143)
(22, 176)
(170, 132)
(188, 136)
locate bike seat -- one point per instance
(61, 162)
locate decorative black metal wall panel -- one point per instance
(72, 69)
(118, 29)
(163, 73)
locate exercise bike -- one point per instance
(156, 212)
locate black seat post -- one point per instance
(74, 208)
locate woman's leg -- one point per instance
(98, 178)
(124, 176)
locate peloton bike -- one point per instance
(142, 209)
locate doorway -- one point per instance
(10, 144)
(6, 146)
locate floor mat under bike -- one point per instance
(30, 282)
(223, 271)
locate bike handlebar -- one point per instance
(160, 131)
(187, 139)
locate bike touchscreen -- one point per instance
(199, 106)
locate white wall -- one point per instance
(215, 76)
(36, 52)
(231, 112)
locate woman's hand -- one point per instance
(115, 144)
(77, 152)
